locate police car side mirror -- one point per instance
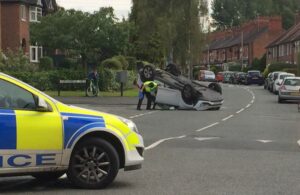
(42, 106)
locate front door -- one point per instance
(28, 138)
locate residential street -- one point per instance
(248, 147)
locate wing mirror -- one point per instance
(42, 105)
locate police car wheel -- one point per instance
(94, 164)
(48, 175)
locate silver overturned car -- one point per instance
(180, 92)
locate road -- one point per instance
(249, 147)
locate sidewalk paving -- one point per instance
(100, 100)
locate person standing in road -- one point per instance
(140, 85)
(150, 90)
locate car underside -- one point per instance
(180, 92)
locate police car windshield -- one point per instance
(52, 99)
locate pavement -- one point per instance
(249, 147)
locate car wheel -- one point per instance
(280, 100)
(94, 164)
(147, 73)
(46, 176)
(187, 94)
(216, 87)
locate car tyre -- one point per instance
(216, 87)
(147, 73)
(280, 101)
(187, 94)
(94, 164)
(46, 176)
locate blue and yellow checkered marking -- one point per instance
(8, 130)
(76, 124)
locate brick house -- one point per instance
(287, 46)
(243, 43)
(15, 19)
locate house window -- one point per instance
(35, 14)
(36, 53)
(23, 12)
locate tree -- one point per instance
(93, 37)
(168, 30)
(228, 13)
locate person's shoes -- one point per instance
(148, 108)
(139, 109)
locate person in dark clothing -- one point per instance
(94, 77)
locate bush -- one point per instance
(291, 70)
(46, 63)
(48, 80)
(279, 66)
(111, 63)
(69, 63)
(123, 61)
(16, 61)
(131, 63)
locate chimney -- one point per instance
(297, 17)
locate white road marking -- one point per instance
(207, 127)
(241, 110)
(155, 144)
(298, 142)
(264, 141)
(140, 115)
(206, 138)
(229, 117)
(248, 106)
(252, 101)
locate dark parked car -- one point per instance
(241, 78)
(254, 77)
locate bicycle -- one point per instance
(92, 89)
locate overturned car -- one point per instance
(180, 92)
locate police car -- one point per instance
(41, 137)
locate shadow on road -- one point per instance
(28, 185)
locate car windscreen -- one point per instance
(292, 82)
(209, 73)
(283, 76)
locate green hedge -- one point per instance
(278, 67)
(48, 80)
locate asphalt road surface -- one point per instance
(249, 147)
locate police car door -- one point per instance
(28, 138)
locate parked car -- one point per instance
(267, 81)
(180, 92)
(227, 77)
(274, 76)
(278, 81)
(206, 75)
(289, 90)
(220, 77)
(254, 77)
(241, 78)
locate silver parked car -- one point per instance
(289, 90)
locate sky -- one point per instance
(121, 7)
